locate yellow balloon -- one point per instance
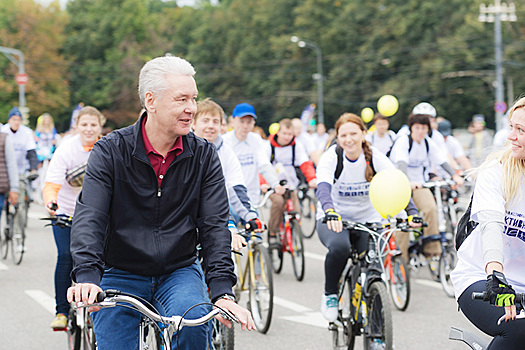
(274, 127)
(389, 192)
(387, 105)
(367, 114)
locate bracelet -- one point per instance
(227, 296)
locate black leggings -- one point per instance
(339, 249)
(508, 336)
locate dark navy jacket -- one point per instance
(123, 219)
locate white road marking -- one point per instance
(3, 266)
(43, 299)
(314, 256)
(315, 319)
(428, 283)
(290, 305)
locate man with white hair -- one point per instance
(152, 192)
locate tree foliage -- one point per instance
(418, 50)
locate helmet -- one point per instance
(425, 108)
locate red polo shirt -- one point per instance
(159, 163)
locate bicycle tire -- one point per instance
(433, 268)
(18, 236)
(73, 331)
(379, 331)
(276, 256)
(399, 282)
(6, 232)
(261, 290)
(346, 312)
(308, 215)
(447, 263)
(298, 250)
(223, 338)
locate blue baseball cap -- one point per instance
(244, 109)
(14, 111)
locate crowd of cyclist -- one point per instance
(339, 166)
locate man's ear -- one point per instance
(149, 101)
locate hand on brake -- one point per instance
(333, 220)
(501, 294)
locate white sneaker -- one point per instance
(329, 307)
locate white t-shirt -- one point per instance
(319, 141)
(350, 192)
(381, 143)
(419, 160)
(305, 139)
(253, 159)
(488, 195)
(23, 141)
(455, 149)
(283, 162)
(68, 155)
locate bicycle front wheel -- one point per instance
(19, 236)
(6, 232)
(223, 338)
(297, 251)
(308, 213)
(399, 282)
(73, 331)
(447, 263)
(261, 289)
(88, 334)
(379, 332)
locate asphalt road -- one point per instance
(27, 305)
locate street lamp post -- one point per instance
(497, 13)
(318, 76)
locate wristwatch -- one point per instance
(227, 296)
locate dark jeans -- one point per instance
(118, 327)
(508, 336)
(63, 268)
(339, 249)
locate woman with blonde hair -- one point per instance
(492, 257)
(63, 183)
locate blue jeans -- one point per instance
(173, 294)
(63, 268)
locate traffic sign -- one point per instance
(21, 78)
(500, 107)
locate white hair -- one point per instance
(152, 75)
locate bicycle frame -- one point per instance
(249, 265)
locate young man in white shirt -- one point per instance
(454, 147)
(249, 149)
(23, 142)
(381, 138)
(414, 154)
(207, 124)
(286, 155)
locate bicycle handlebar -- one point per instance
(61, 220)
(439, 183)
(520, 298)
(112, 298)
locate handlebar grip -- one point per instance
(425, 224)
(101, 296)
(54, 206)
(480, 296)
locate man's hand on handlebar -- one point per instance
(333, 220)
(312, 183)
(265, 188)
(85, 293)
(13, 197)
(279, 189)
(243, 315)
(458, 179)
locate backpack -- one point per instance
(465, 226)
(340, 158)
